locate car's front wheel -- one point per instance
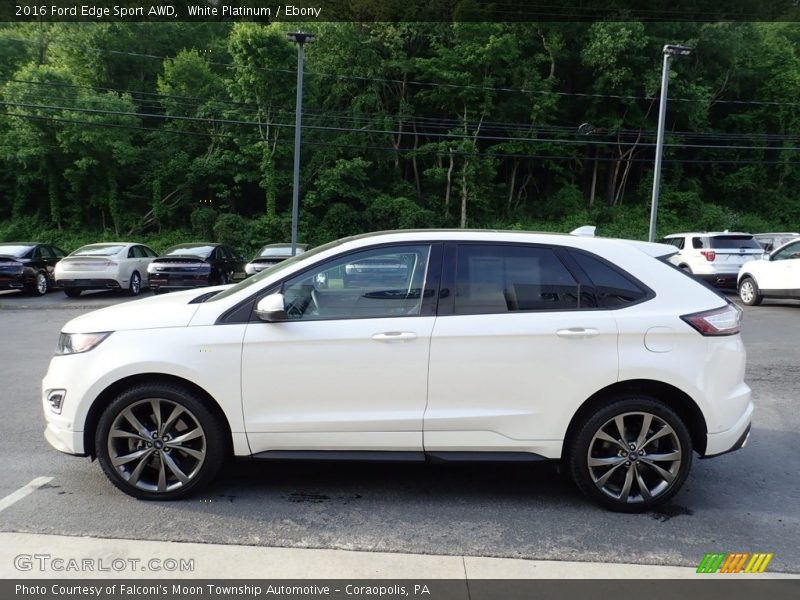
(160, 442)
(630, 455)
(748, 292)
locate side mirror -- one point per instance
(271, 308)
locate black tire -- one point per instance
(223, 278)
(152, 477)
(40, 286)
(605, 482)
(135, 287)
(72, 292)
(749, 293)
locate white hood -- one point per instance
(167, 310)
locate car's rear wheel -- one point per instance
(41, 285)
(631, 455)
(135, 286)
(72, 292)
(748, 292)
(160, 442)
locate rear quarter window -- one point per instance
(614, 287)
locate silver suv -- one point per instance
(770, 241)
(714, 257)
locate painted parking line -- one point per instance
(23, 491)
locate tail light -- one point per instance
(719, 321)
(709, 254)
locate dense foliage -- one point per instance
(169, 132)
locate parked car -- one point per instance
(271, 254)
(28, 266)
(770, 241)
(106, 266)
(777, 276)
(495, 346)
(195, 265)
(714, 257)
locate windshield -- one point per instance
(190, 251)
(268, 272)
(14, 250)
(98, 250)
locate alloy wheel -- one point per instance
(41, 284)
(634, 457)
(747, 292)
(157, 445)
(136, 284)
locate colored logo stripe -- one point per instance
(724, 562)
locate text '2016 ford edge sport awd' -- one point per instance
(417, 345)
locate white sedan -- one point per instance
(776, 276)
(107, 266)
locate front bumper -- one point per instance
(731, 439)
(64, 440)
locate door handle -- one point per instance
(577, 332)
(395, 336)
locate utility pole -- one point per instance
(669, 51)
(302, 39)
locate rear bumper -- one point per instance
(726, 280)
(89, 284)
(14, 282)
(732, 439)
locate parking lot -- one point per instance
(747, 501)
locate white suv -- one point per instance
(777, 276)
(714, 257)
(483, 346)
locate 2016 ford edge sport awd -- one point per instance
(417, 345)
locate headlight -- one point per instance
(250, 269)
(75, 343)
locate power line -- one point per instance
(429, 122)
(434, 84)
(446, 136)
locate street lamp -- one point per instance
(669, 51)
(302, 38)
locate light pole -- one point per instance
(302, 39)
(669, 51)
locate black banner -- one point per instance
(728, 588)
(398, 10)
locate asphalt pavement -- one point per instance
(747, 501)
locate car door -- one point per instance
(518, 344)
(348, 369)
(781, 274)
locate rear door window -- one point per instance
(508, 278)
